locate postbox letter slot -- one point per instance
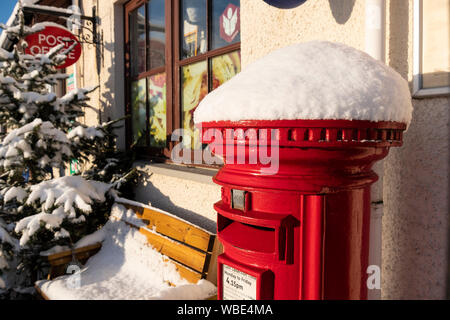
(247, 237)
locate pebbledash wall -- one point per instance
(415, 187)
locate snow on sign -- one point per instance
(238, 285)
(230, 23)
(42, 42)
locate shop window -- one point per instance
(177, 52)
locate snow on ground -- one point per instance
(126, 268)
(311, 80)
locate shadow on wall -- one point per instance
(107, 94)
(341, 9)
(112, 88)
(399, 36)
(163, 202)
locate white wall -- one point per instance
(416, 219)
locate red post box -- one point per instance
(302, 231)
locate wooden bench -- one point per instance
(192, 249)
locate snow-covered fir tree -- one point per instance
(40, 212)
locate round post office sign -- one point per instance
(51, 36)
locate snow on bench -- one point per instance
(174, 265)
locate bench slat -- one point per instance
(80, 253)
(188, 274)
(177, 251)
(174, 228)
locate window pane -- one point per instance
(137, 41)
(195, 88)
(226, 24)
(138, 111)
(157, 116)
(157, 33)
(224, 68)
(193, 28)
(436, 44)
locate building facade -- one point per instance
(155, 61)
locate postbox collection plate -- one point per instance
(238, 199)
(238, 285)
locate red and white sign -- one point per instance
(42, 42)
(230, 23)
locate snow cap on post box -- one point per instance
(311, 80)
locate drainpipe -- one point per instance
(375, 46)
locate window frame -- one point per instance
(418, 90)
(172, 68)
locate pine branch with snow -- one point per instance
(33, 147)
(108, 164)
(66, 201)
(44, 135)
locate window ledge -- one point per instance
(201, 175)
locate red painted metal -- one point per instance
(51, 36)
(304, 232)
(313, 220)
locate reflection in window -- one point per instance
(193, 33)
(194, 89)
(226, 27)
(137, 40)
(157, 33)
(138, 112)
(203, 27)
(157, 116)
(224, 68)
